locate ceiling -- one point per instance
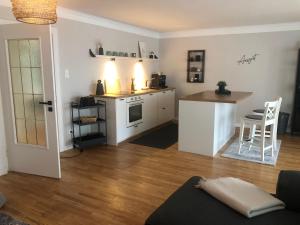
(176, 15)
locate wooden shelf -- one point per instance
(195, 81)
(125, 58)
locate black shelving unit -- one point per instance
(296, 111)
(195, 66)
(91, 139)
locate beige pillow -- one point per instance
(242, 196)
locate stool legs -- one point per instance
(241, 135)
(262, 143)
(273, 139)
(252, 135)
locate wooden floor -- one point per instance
(123, 185)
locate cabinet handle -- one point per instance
(135, 126)
(163, 108)
(122, 99)
(151, 94)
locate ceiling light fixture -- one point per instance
(41, 12)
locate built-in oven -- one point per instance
(134, 110)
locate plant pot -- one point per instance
(222, 89)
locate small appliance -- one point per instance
(158, 81)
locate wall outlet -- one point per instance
(70, 132)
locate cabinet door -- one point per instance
(171, 100)
(121, 112)
(166, 106)
(124, 132)
(150, 112)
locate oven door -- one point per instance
(134, 113)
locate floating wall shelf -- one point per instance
(124, 58)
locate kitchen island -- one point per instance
(206, 121)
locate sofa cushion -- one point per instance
(288, 189)
(192, 206)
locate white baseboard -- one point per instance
(3, 171)
(3, 166)
(66, 148)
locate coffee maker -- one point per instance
(158, 81)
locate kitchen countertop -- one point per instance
(125, 94)
(211, 96)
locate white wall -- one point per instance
(270, 76)
(74, 40)
(3, 149)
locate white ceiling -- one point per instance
(176, 15)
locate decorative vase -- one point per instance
(100, 88)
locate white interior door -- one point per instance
(28, 92)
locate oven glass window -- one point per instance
(135, 113)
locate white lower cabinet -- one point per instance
(166, 106)
(124, 132)
(150, 111)
(121, 119)
(158, 108)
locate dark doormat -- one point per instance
(161, 138)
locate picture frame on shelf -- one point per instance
(142, 49)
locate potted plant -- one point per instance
(222, 85)
(222, 91)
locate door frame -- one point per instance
(58, 96)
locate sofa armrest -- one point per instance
(288, 189)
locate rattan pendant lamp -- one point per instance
(41, 12)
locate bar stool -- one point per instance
(258, 131)
(261, 113)
(269, 118)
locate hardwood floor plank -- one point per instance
(124, 184)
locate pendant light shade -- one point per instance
(35, 11)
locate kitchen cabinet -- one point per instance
(158, 107)
(166, 106)
(150, 111)
(121, 113)
(124, 132)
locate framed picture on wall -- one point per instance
(142, 49)
(195, 66)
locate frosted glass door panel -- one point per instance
(27, 88)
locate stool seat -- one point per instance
(254, 117)
(260, 111)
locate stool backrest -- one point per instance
(272, 111)
(278, 108)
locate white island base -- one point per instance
(205, 127)
(207, 121)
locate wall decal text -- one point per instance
(247, 60)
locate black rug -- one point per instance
(161, 138)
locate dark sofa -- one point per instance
(191, 206)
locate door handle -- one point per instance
(46, 103)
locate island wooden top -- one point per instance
(211, 96)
